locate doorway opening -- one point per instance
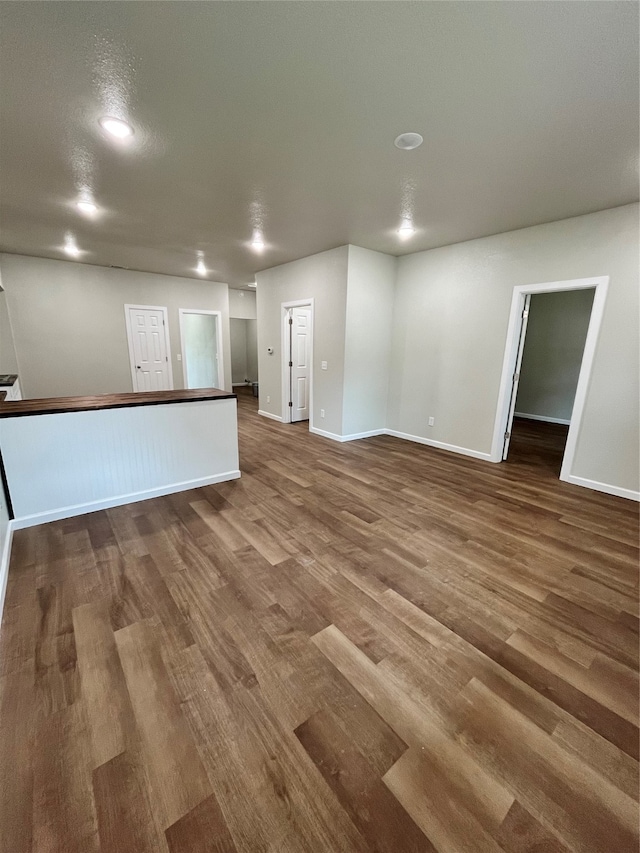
(149, 347)
(551, 340)
(201, 344)
(297, 361)
(243, 337)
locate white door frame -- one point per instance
(218, 316)
(284, 362)
(132, 361)
(601, 284)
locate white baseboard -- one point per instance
(465, 451)
(269, 415)
(618, 491)
(94, 506)
(4, 565)
(351, 437)
(544, 418)
(441, 445)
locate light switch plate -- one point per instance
(323, 365)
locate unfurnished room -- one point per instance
(319, 426)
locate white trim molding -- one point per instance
(618, 491)
(284, 308)
(544, 418)
(440, 445)
(270, 416)
(134, 497)
(600, 284)
(5, 559)
(352, 437)
(219, 346)
(418, 439)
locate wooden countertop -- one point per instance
(59, 405)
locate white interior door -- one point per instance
(516, 375)
(300, 362)
(148, 349)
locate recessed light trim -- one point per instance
(406, 230)
(116, 127)
(70, 247)
(87, 207)
(408, 141)
(257, 242)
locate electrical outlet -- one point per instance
(321, 413)
(268, 399)
(432, 421)
(179, 356)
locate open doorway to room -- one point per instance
(201, 340)
(297, 361)
(244, 353)
(557, 328)
(551, 342)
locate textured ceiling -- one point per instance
(282, 116)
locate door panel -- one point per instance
(516, 375)
(150, 359)
(301, 363)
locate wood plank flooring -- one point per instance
(374, 646)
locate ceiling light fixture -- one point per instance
(408, 141)
(116, 127)
(252, 284)
(70, 246)
(257, 242)
(201, 268)
(406, 230)
(87, 207)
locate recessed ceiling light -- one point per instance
(257, 242)
(87, 207)
(406, 230)
(116, 127)
(252, 284)
(408, 141)
(70, 247)
(201, 268)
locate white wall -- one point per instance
(69, 326)
(242, 304)
(322, 277)
(5, 548)
(554, 346)
(449, 332)
(252, 350)
(238, 332)
(244, 350)
(8, 359)
(8, 364)
(369, 311)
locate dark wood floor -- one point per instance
(537, 446)
(374, 646)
